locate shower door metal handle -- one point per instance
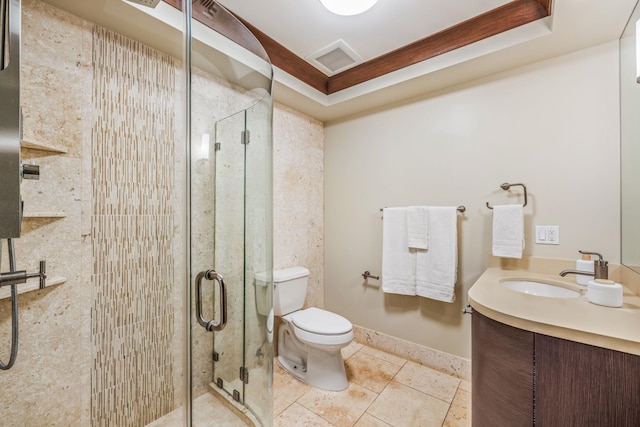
(211, 325)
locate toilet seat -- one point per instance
(319, 327)
(317, 321)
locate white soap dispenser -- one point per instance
(585, 264)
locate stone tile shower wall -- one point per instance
(94, 349)
(78, 339)
(50, 381)
(298, 169)
(132, 319)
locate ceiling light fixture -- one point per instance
(348, 7)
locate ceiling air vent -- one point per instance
(149, 3)
(336, 57)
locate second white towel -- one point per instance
(417, 227)
(436, 268)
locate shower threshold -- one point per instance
(209, 411)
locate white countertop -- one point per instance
(575, 319)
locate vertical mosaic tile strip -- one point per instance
(133, 145)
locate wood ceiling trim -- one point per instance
(546, 4)
(498, 20)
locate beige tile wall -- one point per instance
(54, 354)
(132, 141)
(298, 168)
(100, 348)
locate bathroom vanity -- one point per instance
(558, 361)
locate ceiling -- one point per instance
(305, 26)
(302, 27)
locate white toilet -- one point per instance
(310, 340)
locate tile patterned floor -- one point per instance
(384, 390)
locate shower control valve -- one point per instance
(30, 171)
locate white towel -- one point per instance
(417, 227)
(398, 262)
(508, 231)
(436, 268)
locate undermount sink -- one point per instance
(541, 289)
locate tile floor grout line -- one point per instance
(444, 421)
(383, 389)
(366, 411)
(362, 349)
(429, 394)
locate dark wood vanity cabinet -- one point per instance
(582, 385)
(501, 374)
(520, 378)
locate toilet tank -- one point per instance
(289, 289)
(264, 293)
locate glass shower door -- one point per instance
(217, 264)
(232, 321)
(228, 252)
(259, 322)
(242, 351)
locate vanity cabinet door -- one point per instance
(502, 374)
(583, 385)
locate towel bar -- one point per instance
(460, 208)
(506, 186)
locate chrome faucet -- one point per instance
(600, 268)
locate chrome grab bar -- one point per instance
(211, 325)
(368, 274)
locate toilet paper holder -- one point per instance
(367, 275)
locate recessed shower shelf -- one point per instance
(43, 147)
(5, 292)
(28, 215)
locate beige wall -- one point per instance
(553, 126)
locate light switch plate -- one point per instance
(548, 234)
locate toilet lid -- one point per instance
(319, 321)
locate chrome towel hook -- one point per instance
(505, 186)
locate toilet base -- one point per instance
(326, 370)
(323, 370)
(314, 366)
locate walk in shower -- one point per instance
(153, 212)
(231, 178)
